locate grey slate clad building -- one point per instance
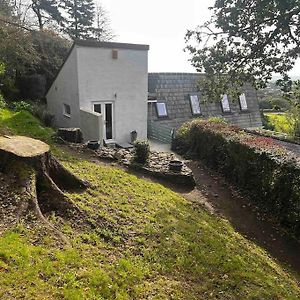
(174, 98)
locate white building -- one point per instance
(102, 89)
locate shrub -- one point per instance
(217, 120)
(274, 103)
(40, 111)
(2, 102)
(265, 104)
(267, 124)
(48, 118)
(142, 151)
(293, 119)
(258, 165)
(21, 105)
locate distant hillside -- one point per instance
(275, 78)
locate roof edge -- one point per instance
(176, 73)
(112, 45)
(58, 71)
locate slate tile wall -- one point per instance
(174, 90)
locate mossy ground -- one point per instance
(153, 244)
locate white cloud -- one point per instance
(162, 24)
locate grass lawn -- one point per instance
(280, 122)
(158, 245)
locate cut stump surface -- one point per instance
(42, 178)
(23, 146)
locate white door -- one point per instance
(106, 109)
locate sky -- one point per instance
(162, 24)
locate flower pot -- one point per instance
(175, 165)
(94, 145)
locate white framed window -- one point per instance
(225, 104)
(67, 110)
(195, 105)
(243, 102)
(161, 109)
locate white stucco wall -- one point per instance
(65, 90)
(91, 126)
(123, 81)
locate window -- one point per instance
(225, 104)
(97, 108)
(195, 105)
(115, 54)
(243, 102)
(67, 110)
(161, 110)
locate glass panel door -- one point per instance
(106, 109)
(108, 121)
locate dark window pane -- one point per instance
(97, 108)
(108, 121)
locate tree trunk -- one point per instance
(41, 176)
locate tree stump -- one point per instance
(40, 174)
(72, 135)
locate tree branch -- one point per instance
(15, 24)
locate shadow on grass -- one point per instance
(210, 259)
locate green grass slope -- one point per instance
(158, 245)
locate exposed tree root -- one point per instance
(42, 179)
(31, 189)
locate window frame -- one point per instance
(243, 109)
(192, 107)
(67, 110)
(100, 108)
(103, 113)
(222, 104)
(157, 111)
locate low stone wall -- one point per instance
(157, 166)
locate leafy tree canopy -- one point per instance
(46, 11)
(2, 68)
(79, 23)
(6, 7)
(52, 49)
(246, 41)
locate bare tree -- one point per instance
(102, 29)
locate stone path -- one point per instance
(156, 145)
(295, 148)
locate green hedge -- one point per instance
(258, 165)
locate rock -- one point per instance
(72, 135)
(157, 166)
